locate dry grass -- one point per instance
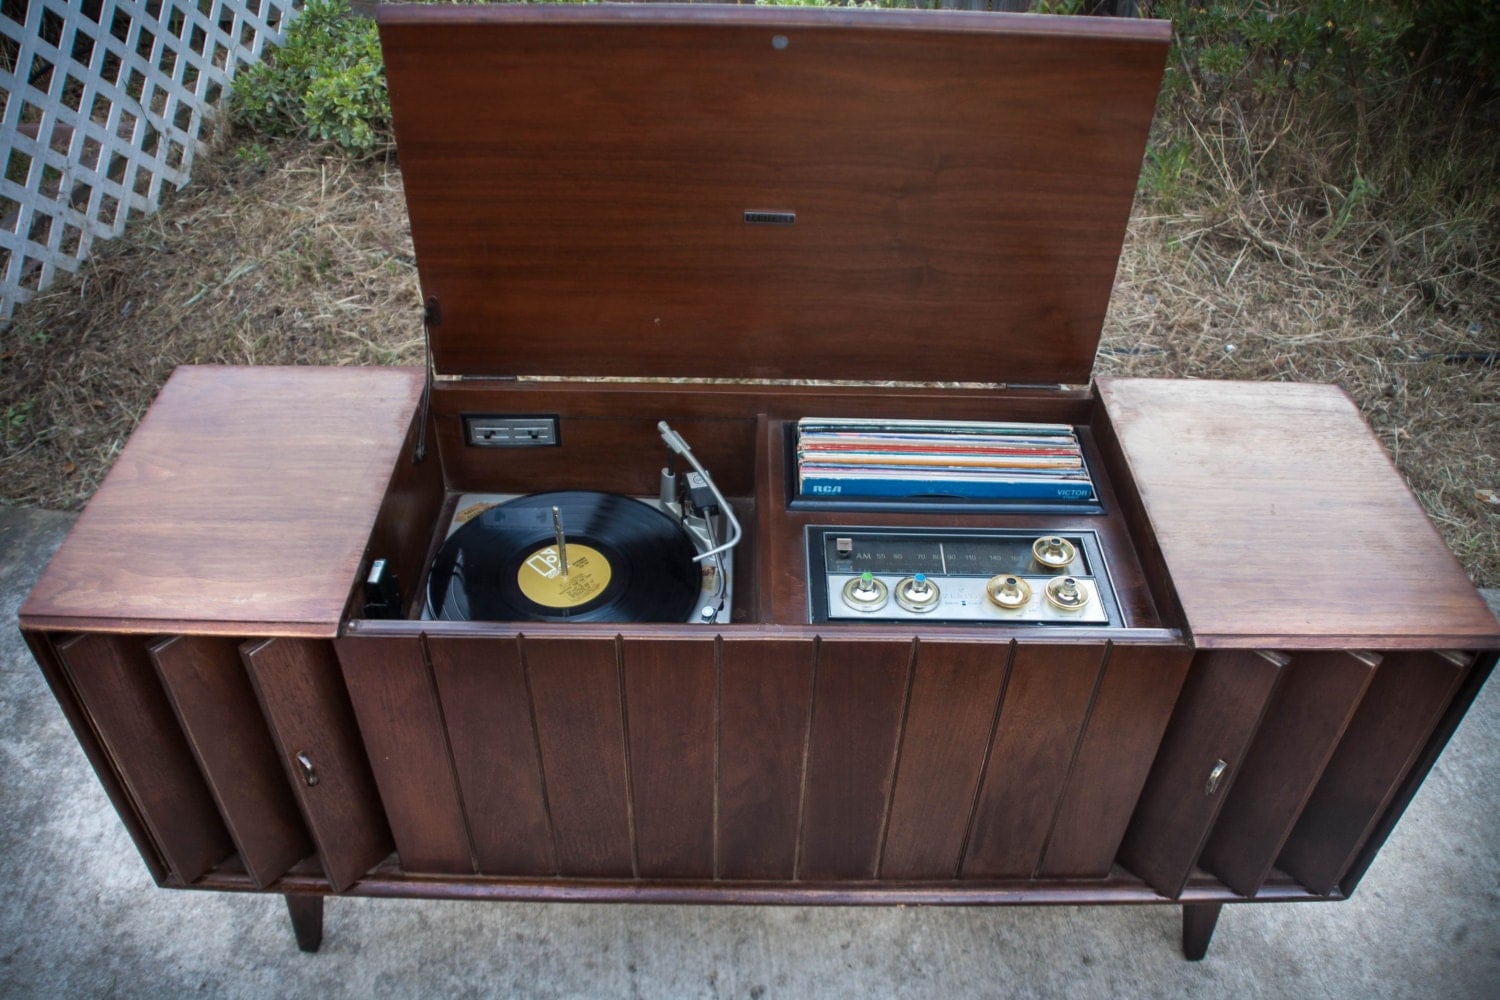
(308, 260)
(1257, 264)
(302, 259)
(1190, 302)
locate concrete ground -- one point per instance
(80, 917)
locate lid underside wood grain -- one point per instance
(578, 182)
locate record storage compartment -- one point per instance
(204, 626)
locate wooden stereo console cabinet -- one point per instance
(731, 219)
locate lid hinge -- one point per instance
(432, 315)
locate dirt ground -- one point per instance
(293, 257)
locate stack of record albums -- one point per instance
(970, 460)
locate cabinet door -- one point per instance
(1222, 702)
(1394, 720)
(125, 704)
(302, 693)
(1307, 716)
(213, 700)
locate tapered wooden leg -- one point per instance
(1198, 921)
(307, 920)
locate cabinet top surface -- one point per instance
(1283, 523)
(241, 503)
(640, 190)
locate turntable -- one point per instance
(452, 633)
(577, 555)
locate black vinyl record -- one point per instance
(627, 562)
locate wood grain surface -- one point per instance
(1130, 710)
(1047, 700)
(671, 713)
(765, 695)
(488, 714)
(1389, 730)
(951, 717)
(69, 699)
(1306, 718)
(1282, 520)
(580, 210)
(240, 506)
(1223, 699)
(580, 725)
(212, 698)
(859, 701)
(402, 726)
(302, 693)
(130, 712)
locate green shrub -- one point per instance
(1354, 113)
(327, 81)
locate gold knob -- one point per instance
(1008, 591)
(1065, 593)
(1053, 551)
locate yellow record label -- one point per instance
(543, 581)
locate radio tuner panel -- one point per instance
(996, 576)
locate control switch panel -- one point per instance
(997, 576)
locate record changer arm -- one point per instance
(677, 444)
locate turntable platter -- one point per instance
(626, 562)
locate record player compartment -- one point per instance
(608, 441)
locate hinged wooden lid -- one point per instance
(768, 192)
(241, 505)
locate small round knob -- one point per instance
(1010, 592)
(1064, 592)
(865, 593)
(1053, 551)
(917, 594)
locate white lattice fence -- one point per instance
(105, 102)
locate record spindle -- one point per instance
(562, 542)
